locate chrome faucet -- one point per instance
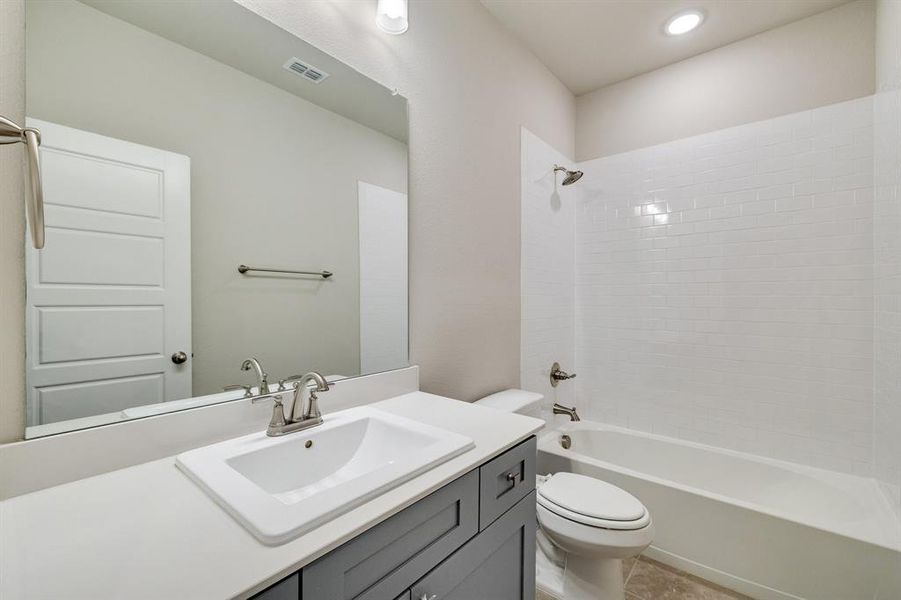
(262, 378)
(312, 409)
(559, 409)
(284, 422)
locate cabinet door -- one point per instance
(286, 589)
(386, 560)
(498, 564)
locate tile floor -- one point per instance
(648, 579)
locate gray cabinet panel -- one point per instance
(506, 480)
(384, 561)
(404, 596)
(286, 589)
(498, 564)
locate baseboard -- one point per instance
(727, 580)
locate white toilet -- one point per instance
(591, 525)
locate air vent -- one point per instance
(305, 70)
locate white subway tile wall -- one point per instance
(724, 289)
(887, 292)
(384, 323)
(548, 272)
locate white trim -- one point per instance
(727, 580)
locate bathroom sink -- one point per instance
(281, 487)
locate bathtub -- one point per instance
(766, 528)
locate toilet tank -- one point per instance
(514, 401)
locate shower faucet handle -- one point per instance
(558, 375)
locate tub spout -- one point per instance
(559, 409)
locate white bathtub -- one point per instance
(766, 528)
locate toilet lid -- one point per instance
(598, 501)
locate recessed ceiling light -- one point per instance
(684, 22)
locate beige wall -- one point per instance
(12, 225)
(471, 87)
(888, 45)
(283, 195)
(820, 60)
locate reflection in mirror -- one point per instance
(180, 141)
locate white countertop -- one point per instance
(147, 531)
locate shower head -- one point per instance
(571, 176)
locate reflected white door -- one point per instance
(109, 296)
(383, 278)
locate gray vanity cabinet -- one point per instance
(473, 539)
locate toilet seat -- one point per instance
(592, 502)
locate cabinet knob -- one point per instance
(179, 358)
(513, 477)
(427, 597)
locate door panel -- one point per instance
(64, 402)
(94, 183)
(83, 333)
(100, 258)
(108, 299)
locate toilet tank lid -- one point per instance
(512, 400)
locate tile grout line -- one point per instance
(630, 595)
(631, 570)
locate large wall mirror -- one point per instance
(181, 140)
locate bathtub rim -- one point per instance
(548, 442)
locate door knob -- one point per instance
(179, 358)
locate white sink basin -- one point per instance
(279, 488)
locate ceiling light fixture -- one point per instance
(391, 16)
(684, 22)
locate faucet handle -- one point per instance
(276, 397)
(246, 388)
(291, 379)
(558, 375)
(278, 409)
(294, 379)
(313, 408)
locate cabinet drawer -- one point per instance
(385, 561)
(505, 481)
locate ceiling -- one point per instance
(588, 44)
(235, 36)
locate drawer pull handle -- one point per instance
(513, 477)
